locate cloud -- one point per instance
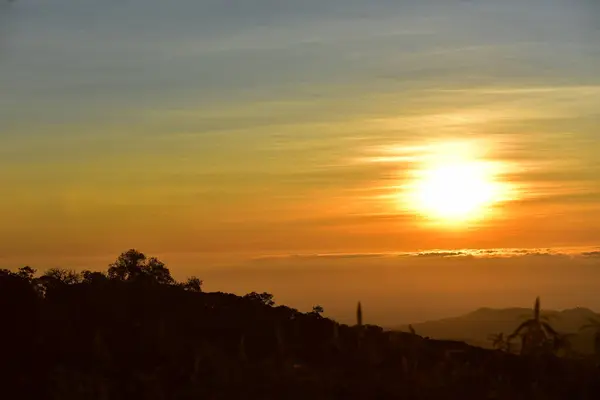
(346, 256)
(440, 254)
(591, 254)
(575, 90)
(474, 253)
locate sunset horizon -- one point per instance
(213, 135)
(300, 199)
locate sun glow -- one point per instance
(452, 185)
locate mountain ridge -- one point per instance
(475, 327)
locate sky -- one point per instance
(214, 133)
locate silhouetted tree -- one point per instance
(359, 315)
(499, 341)
(93, 277)
(135, 266)
(63, 276)
(128, 266)
(158, 271)
(318, 310)
(534, 332)
(54, 279)
(263, 298)
(193, 284)
(26, 273)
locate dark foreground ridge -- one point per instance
(135, 333)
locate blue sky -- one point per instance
(240, 122)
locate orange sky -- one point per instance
(215, 141)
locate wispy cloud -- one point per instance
(531, 90)
(592, 254)
(467, 253)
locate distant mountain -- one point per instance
(475, 327)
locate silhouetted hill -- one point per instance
(475, 327)
(133, 332)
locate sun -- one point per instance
(454, 191)
(454, 188)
